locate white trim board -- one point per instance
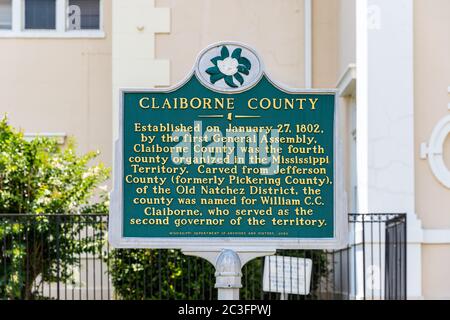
(27, 34)
(347, 82)
(59, 136)
(436, 236)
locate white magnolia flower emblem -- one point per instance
(228, 66)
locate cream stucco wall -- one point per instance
(274, 28)
(436, 266)
(346, 57)
(325, 43)
(347, 34)
(432, 79)
(60, 85)
(134, 64)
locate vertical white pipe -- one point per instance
(308, 43)
(362, 120)
(362, 134)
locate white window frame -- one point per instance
(18, 24)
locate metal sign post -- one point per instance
(228, 265)
(228, 166)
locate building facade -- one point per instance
(63, 62)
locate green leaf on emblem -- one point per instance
(229, 81)
(224, 52)
(243, 70)
(216, 77)
(215, 59)
(239, 78)
(212, 70)
(237, 53)
(245, 62)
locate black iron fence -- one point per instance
(68, 257)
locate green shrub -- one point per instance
(39, 180)
(141, 274)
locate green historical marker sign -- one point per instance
(228, 159)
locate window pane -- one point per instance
(40, 14)
(84, 14)
(5, 14)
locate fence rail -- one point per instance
(68, 257)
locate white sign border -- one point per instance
(242, 244)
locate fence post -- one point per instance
(58, 257)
